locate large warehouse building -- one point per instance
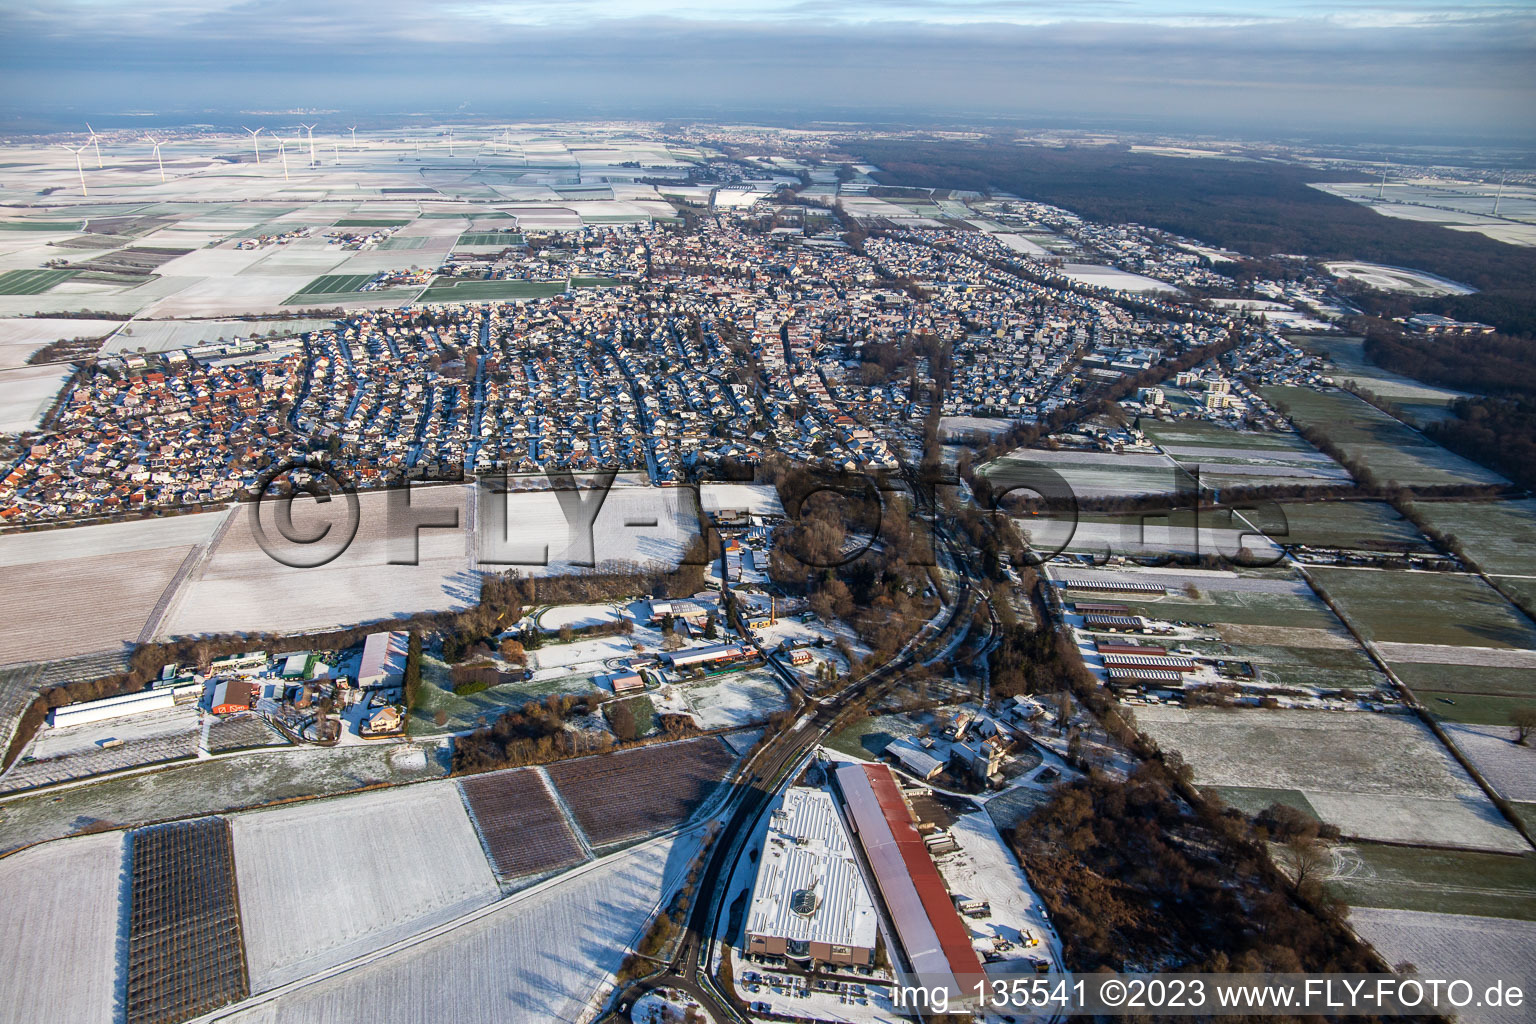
(809, 901)
(935, 942)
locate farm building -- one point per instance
(1087, 608)
(1132, 676)
(1104, 648)
(799, 656)
(112, 707)
(383, 661)
(707, 657)
(1125, 586)
(1171, 662)
(232, 695)
(627, 682)
(1115, 623)
(809, 901)
(936, 943)
(915, 759)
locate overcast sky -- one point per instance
(1327, 65)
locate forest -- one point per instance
(1259, 209)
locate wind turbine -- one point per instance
(254, 144)
(450, 142)
(94, 142)
(1500, 195)
(80, 166)
(158, 161)
(353, 130)
(282, 151)
(1383, 186)
(311, 129)
(336, 148)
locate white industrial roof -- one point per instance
(807, 850)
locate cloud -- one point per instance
(1363, 64)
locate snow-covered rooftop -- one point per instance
(807, 852)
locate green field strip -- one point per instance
(490, 291)
(32, 282)
(489, 238)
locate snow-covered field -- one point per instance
(1376, 776)
(60, 917)
(537, 957)
(1111, 277)
(1508, 766)
(759, 499)
(241, 588)
(324, 881)
(1447, 654)
(19, 338)
(89, 588)
(164, 336)
(26, 392)
(1048, 534)
(736, 698)
(1453, 946)
(634, 526)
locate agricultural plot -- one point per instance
(1089, 474)
(397, 242)
(538, 957)
(634, 526)
(1391, 450)
(1500, 536)
(1426, 608)
(1451, 946)
(324, 881)
(61, 607)
(242, 732)
(1350, 525)
(490, 291)
(1112, 277)
(185, 954)
(1226, 608)
(20, 338)
(489, 238)
(1508, 766)
(94, 759)
(219, 785)
(623, 796)
(329, 284)
(524, 830)
(166, 336)
(1151, 535)
(28, 392)
(371, 222)
(31, 282)
(1473, 708)
(1377, 776)
(1434, 881)
(1421, 403)
(60, 918)
(241, 588)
